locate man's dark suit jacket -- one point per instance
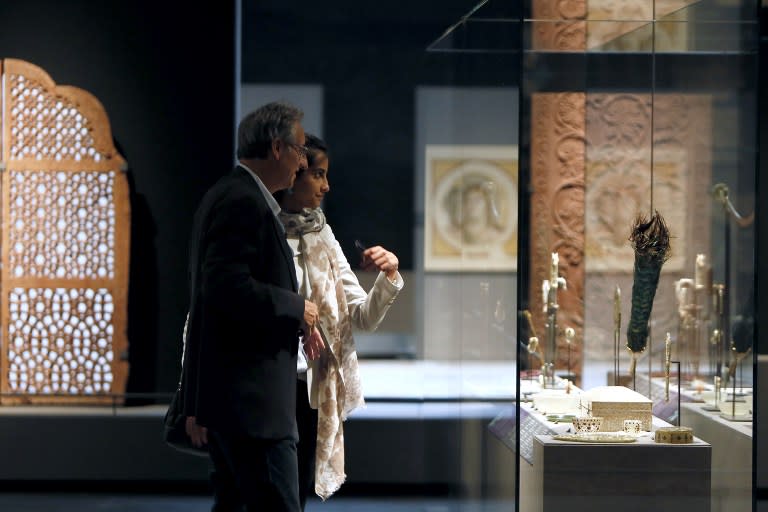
(245, 314)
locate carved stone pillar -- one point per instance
(557, 213)
(559, 25)
(557, 171)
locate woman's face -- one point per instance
(310, 186)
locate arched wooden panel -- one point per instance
(64, 244)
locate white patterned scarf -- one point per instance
(335, 373)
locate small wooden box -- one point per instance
(618, 403)
(674, 435)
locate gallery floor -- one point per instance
(11, 502)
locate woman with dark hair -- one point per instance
(329, 386)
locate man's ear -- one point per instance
(277, 147)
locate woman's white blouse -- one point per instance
(366, 309)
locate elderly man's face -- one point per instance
(294, 156)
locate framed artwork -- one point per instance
(470, 208)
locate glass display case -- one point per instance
(636, 186)
(571, 186)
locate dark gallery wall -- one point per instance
(165, 73)
(369, 61)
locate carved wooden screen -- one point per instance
(65, 244)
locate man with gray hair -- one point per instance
(246, 318)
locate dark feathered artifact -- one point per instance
(650, 240)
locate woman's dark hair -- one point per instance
(315, 145)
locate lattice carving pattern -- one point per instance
(65, 244)
(44, 126)
(62, 225)
(60, 341)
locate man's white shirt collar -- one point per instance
(270, 200)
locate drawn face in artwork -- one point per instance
(475, 221)
(471, 208)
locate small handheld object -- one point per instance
(360, 246)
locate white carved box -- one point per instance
(616, 404)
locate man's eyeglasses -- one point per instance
(302, 151)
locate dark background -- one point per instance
(165, 73)
(370, 57)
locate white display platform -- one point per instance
(438, 380)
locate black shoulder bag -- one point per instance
(174, 428)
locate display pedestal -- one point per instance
(634, 477)
(731, 456)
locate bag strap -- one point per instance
(183, 348)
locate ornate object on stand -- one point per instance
(616, 333)
(720, 193)
(702, 293)
(717, 338)
(694, 307)
(743, 332)
(736, 358)
(65, 245)
(549, 289)
(667, 364)
(533, 343)
(570, 334)
(650, 241)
